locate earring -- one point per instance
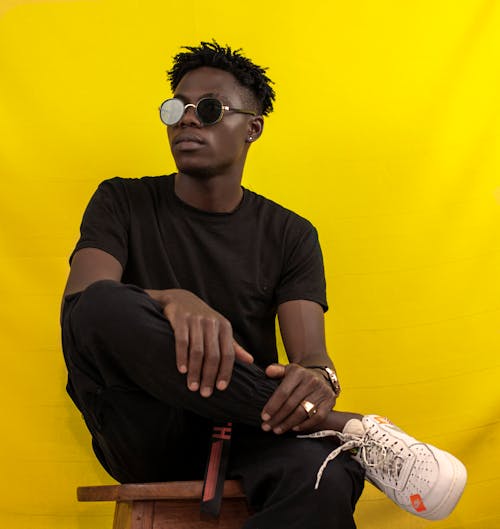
(250, 138)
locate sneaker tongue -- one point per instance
(354, 427)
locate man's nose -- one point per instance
(189, 117)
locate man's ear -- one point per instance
(255, 128)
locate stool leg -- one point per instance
(134, 515)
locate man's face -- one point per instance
(213, 149)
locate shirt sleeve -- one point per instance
(303, 275)
(105, 221)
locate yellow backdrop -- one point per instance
(385, 135)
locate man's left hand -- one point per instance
(284, 411)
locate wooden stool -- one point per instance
(171, 505)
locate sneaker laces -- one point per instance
(373, 454)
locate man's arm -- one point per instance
(302, 326)
(204, 344)
(90, 265)
(302, 329)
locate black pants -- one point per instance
(147, 426)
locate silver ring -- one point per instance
(309, 408)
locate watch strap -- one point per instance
(331, 377)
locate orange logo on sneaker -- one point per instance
(382, 420)
(418, 503)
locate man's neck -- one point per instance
(217, 194)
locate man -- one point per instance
(169, 326)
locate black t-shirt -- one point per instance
(243, 264)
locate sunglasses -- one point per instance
(208, 110)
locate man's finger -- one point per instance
(228, 351)
(281, 413)
(303, 419)
(181, 335)
(241, 354)
(311, 421)
(275, 371)
(281, 395)
(293, 422)
(211, 356)
(284, 409)
(195, 360)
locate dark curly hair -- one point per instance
(244, 70)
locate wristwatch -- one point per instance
(330, 376)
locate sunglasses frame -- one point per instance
(223, 109)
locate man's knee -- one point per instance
(341, 484)
(109, 302)
(106, 293)
(280, 485)
(294, 463)
(339, 478)
(332, 504)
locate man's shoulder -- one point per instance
(138, 191)
(136, 183)
(267, 206)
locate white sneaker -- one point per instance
(418, 477)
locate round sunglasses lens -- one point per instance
(171, 111)
(209, 110)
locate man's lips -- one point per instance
(188, 139)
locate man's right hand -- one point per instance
(204, 345)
